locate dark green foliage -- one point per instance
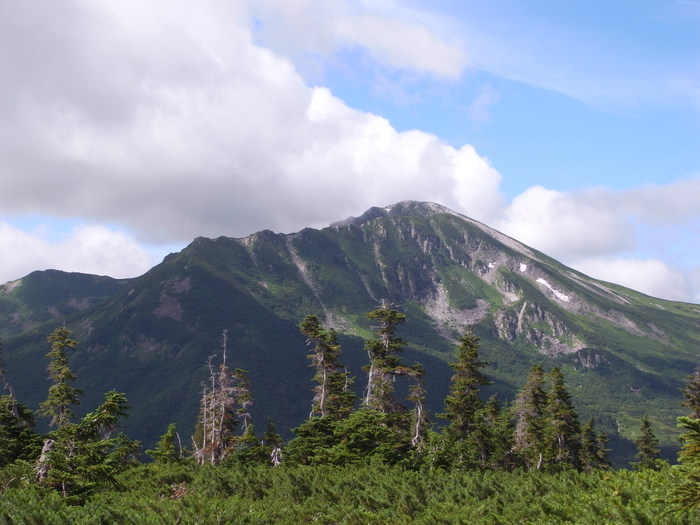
(168, 448)
(685, 494)
(333, 395)
(79, 458)
(357, 494)
(62, 394)
(647, 446)
(18, 440)
(384, 362)
(464, 400)
(528, 412)
(691, 392)
(562, 432)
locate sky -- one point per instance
(130, 127)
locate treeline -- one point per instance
(539, 431)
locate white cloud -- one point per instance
(393, 35)
(567, 225)
(88, 249)
(651, 276)
(168, 119)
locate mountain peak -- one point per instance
(403, 208)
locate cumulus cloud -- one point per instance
(172, 121)
(650, 276)
(87, 248)
(595, 230)
(567, 225)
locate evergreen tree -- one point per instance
(62, 394)
(17, 437)
(647, 446)
(169, 448)
(78, 458)
(691, 392)
(685, 495)
(385, 364)
(528, 411)
(332, 394)
(18, 440)
(562, 432)
(463, 400)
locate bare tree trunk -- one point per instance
(43, 465)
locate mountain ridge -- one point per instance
(625, 353)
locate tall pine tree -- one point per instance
(463, 400)
(528, 411)
(332, 395)
(562, 432)
(62, 394)
(385, 364)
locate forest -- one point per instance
(375, 458)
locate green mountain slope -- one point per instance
(624, 354)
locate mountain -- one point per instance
(624, 354)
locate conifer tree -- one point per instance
(463, 400)
(169, 448)
(498, 427)
(685, 495)
(18, 440)
(83, 456)
(647, 446)
(691, 392)
(332, 394)
(385, 364)
(562, 432)
(17, 437)
(528, 411)
(62, 394)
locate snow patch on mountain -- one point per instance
(556, 293)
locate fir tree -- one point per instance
(463, 400)
(691, 392)
(528, 411)
(647, 446)
(562, 432)
(169, 448)
(17, 437)
(385, 364)
(62, 394)
(78, 458)
(332, 395)
(685, 495)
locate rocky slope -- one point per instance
(625, 354)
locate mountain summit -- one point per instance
(625, 354)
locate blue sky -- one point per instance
(132, 127)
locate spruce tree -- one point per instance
(385, 364)
(62, 394)
(332, 395)
(17, 437)
(562, 430)
(691, 392)
(169, 448)
(528, 411)
(685, 495)
(463, 400)
(647, 446)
